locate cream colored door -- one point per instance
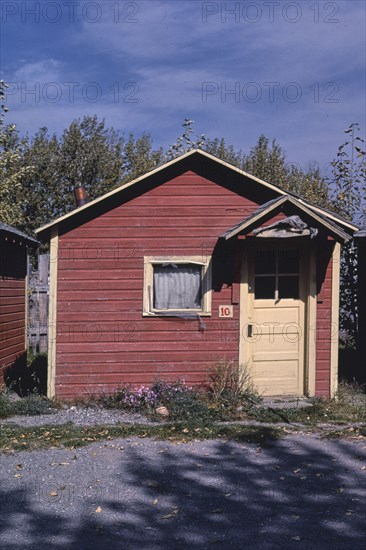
(276, 320)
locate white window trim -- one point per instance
(150, 261)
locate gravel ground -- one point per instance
(297, 492)
(80, 416)
(83, 416)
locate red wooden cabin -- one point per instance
(13, 299)
(175, 270)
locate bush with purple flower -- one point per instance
(146, 399)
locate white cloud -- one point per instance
(47, 70)
(170, 52)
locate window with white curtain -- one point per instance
(177, 284)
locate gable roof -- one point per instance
(271, 208)
(197, 153)
(12, 231)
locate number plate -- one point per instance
(226, 311)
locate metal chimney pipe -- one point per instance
(80, 196)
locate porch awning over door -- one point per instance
(301, 221)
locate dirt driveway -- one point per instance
(296, 492)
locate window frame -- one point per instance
(148, 297)
(277, 274)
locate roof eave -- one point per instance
(16, 234)
(44, 231)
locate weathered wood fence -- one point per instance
(38, 285)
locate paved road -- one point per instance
(298, 492)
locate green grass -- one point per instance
(349, 406)
(30, 406)
(358, 432)
(17, 438)
(193, 416)
(321, 412)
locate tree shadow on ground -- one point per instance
(298, 491)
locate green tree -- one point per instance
(139, 157)
(349, 175)
(265, 160)
(269, 162)
(219, 149)
(186, 142)
(3, 107)
(12, 172)
(42, 189)
(309, 184)
(89, 154)
(348, 179)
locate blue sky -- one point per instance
(294, 71)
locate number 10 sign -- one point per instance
(226, 311)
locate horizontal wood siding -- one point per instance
(324, 330)
(12, 304)
(102, 338)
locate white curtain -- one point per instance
(177, 286)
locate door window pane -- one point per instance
(265, 262)
(288, 286)
(277, 274)
(288, 261)
(265, 288)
